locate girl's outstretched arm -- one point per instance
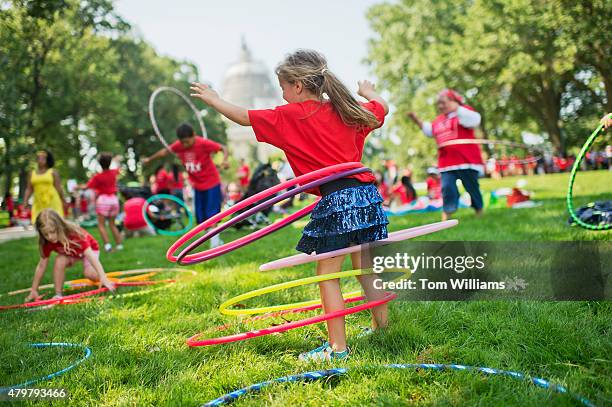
(235, 113)
(40, 271)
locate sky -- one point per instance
(209, 33)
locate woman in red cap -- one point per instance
(457, 161)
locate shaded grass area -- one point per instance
(140, 356)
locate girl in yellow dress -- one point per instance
(46, 186)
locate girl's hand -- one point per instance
(366, 88)
(203, 92)
(108, 284)
(32, 296)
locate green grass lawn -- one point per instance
(140, 357)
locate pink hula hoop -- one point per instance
(393, 237)
(211, 253)
(282, 223)
(70, 299)
(193, 342)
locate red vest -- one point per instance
(459, 156)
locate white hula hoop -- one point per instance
(186, 99)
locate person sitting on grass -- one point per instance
(72, 244)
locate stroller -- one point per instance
(263, 178)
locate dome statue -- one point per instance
(247, 83)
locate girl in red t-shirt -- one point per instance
(107, 201)
(72, 244)
(317, 131)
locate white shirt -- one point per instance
(467, 118)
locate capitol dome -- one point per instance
(247, 83)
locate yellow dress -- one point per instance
(45, 194)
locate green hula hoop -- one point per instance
(570, 205)
(224, 308)
(175, 200)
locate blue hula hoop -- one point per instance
(52, 375)
(320, 374)
(175, 200)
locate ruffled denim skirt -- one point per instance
(343, 218)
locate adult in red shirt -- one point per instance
(458, 161)
(195, 153)
(107, 203)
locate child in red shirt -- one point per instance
(195, 153)
(434, 187)
(317, 132)
(72, 244)
(107, 202)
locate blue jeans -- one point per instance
(207, 202)
(450, 193)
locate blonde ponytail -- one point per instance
(310, 68)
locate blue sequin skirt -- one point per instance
(343, 218)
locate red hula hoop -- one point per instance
(206, 255)
(193, 342)
(268, 229)
(70, 298)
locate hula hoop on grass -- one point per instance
(224, 307)
(174, 199)
(570, 188)
(393, 237)
(85, 282)
(68, 299)
(208, 254)
(193, 342)
(185, 99)
(496, 142)
(55, 374)
(261, 207)
(320, 374)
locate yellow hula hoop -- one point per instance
(224, 307)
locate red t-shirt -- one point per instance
(134, 218)
(434, 188)
(77, 246)
(313, 135)
(198, 162)
(244, 180)
(405, 197)
(163, 179)
(105, 182)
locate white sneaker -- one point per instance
(216, 241)
(108, 247)
(119, 247)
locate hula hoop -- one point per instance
(152, 113)
(174, 199)
(498, 142)
(261, 206)
(84, 282)
(393, 237)
(55, 374)
(193, 342)
(570, 188)
(320, 374)
(69, 298)
(224, 307)
(208, 254)
(347, 300)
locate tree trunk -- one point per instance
(8, 168)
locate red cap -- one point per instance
(452, 95)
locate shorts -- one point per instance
(86, 263)
(207, 202)
(107, 205)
